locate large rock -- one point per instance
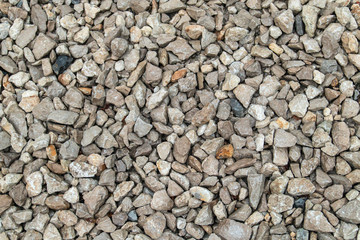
(161, 201)
(280, 203)
(350, 212)
(181, 49)
(63, 117)
(95, 198)
(284, 139)
(43, 45)
(285, 21)
(155, 225)
(256, 187)
(231, 230)
(8, 64)
(310, 16)
(317, 222)
(181, 149)
(171, 6)
(300, 186)
(298, 105)
(341, 135)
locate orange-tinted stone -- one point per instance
(178, 74)
(225, 151)
(51, 152)
(64, 79)
(56, 168)
(85, 90)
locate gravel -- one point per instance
(174, 119)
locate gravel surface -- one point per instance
(179, 119)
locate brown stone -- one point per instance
(224, 152)
(178, 74)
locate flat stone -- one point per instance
(309, 17)
(202, 194)
(350, 212)
(256, 187)
(257, 111)
(5, 140)
(284, 139)
(26, 36)
(156, 98)
(181, 149)
(231, 82)
(280, 203)
(244, 94)
(316, 221)
(106, 140)
(69, 150)
(285, 21)
(90, 135)
(232, 230)
(63, 117)
(19, 79)
(341, 135)
(34, 184)
(95, 198)
(82, 169)
(142, 128)
(298, 105)
(171, 6)
(5, 202)
(205, 216)
(123, 189)
(8, 64)
(180, 48)
(155, 225)
(161, 201)
(42, 46)
(235, 34)
(300, 187)
(39, 17)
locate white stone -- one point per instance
(19, 79)
(16, 28)
(257, 111)
(298, 105)
(319, 77)
(231, 82)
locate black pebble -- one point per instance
(299, 25)
(61, 64)
(237, 108)
(300, 203)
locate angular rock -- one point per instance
(155, 225)
(232, 230)
(316, 221)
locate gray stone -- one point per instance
(232, 230)
(256, 187)
(350, 212)
(316, 221)
(171, 6)
(155, 225)
(8, 64)
(180, 48)
(69, 150)
(63, 117)
(284, 139)
(42, 46)
(161, 201)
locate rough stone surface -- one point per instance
(175, 119)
